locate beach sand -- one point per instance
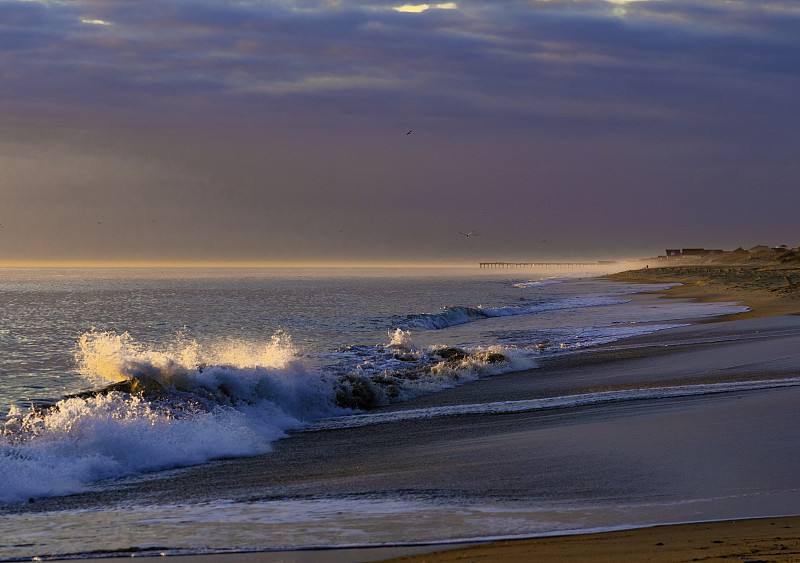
(767, 289)
(770, 539)
(733, 454)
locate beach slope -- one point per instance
(768, 289)
(772, 539)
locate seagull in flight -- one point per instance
(470, 234)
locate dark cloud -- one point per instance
(498, 52)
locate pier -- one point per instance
(544, 264)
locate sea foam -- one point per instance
(182, 403)
(84, 440)
(164, 408)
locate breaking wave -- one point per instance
(539, 283)
(452, 316)
(181, 404)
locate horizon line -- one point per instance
(254, 264)
(224, 264)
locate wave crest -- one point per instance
(113, 357)
(182, 403)
(82, 440)
(453, 316)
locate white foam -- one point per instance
(85, 440)
(116, 357)
(197, 413)
(191, 411)
(540, 283)
(566, 401)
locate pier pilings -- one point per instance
(540, 264)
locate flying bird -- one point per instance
(409, 132)
(470, 234)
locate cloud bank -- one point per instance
(276, 130)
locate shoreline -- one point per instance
(749, 539)
(413, 456)
(762, 291)
(776, 539)
(766, 290)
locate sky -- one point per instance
(339, 131)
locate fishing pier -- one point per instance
(545, 264)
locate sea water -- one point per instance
(112, 373)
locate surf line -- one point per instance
(565, 401)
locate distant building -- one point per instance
(673, 252)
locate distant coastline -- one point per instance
(767, 287)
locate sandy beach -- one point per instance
(684, 458)
(757, 540)
(768, 292)
(770, 539)
(768, 289)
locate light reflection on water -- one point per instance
(44, 312)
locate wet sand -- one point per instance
(767, 291)
(683, 459)
(772, 539)
(775, 540)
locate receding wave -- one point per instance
(539, 283)
(565, 401)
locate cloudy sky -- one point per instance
(277, 130)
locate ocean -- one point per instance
(115, 376)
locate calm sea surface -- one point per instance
(120, 372)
